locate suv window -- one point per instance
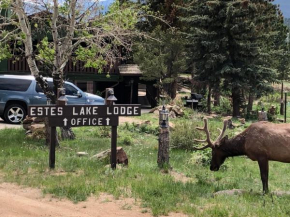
(14, 84)
(39, 90)
(69, 90)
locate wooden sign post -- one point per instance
(83, 115)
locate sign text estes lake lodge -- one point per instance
(84, 115)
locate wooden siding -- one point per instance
(16, 66)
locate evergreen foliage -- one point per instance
(287, 22)
(228, 44)
(161, 56)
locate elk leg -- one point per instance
(264, 171)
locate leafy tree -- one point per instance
(66, 29)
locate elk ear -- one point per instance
(226, 137)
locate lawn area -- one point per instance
(25, 161)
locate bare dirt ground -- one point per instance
(17, 201)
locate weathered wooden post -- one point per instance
(110, 99)
(285, 110)
(262, 115)
(163, 147)
(62, 101)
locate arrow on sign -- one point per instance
(65, 122)
(108, 121)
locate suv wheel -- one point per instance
(14, 114)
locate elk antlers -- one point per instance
(209, 142)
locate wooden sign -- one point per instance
(83, 121)
(84, 110)
(83, 115)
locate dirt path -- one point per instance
(16, 201)
(4, 125)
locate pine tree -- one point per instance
(207, 41)
(227, 40)
(162, 57)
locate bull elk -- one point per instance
(261, 141)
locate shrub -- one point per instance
(127, 140)
(183, 135)
(142, 128)
(224, 107)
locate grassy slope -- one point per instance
(26, 162)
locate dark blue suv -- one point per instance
(18, 92)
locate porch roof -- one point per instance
(129, 70)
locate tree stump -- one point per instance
(163, 148)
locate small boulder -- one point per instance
(172, 114)
(36, 127)
(82, 154)
(26, 126)
(106, 155)
(230, 192)
(27, 120)
(178, 111)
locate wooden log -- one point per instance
(163, 147)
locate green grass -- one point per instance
(25, 162)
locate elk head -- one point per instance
(218, 155)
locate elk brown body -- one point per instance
(262, 142)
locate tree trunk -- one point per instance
(281, 100)
(163, 148)
(67, 133)
(250, 102)
(236, 102)
(209, 100)
(217, 97)
(171, 89)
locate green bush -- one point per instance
(127, 140)
(183, 135)
(224, 107)
(142, 128)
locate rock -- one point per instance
(242, 120)
(26, 126)
(178, 111)
(27, 120)
(82, 154)
(281, 193)
(156, 112)
(172, 114)
(106, 155)
(153, 110)
(230, 192)
(35, 127)
(28, 132)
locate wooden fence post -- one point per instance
(163, 146)
(109, 100)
